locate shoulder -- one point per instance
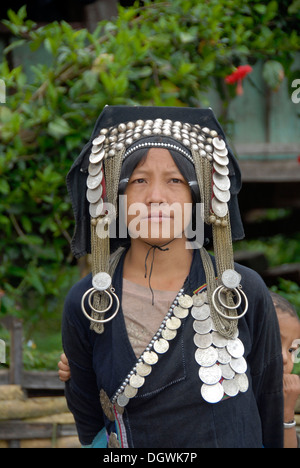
(72, 306)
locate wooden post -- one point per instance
(15, 326)
(99, 10)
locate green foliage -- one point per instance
(164, 53)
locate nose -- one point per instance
(156, 193)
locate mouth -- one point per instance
(158, 216)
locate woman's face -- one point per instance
(159, 201)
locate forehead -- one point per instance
(289, 326)
(158, 158)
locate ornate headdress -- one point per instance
(93, 184)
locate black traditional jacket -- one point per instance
(169, 411)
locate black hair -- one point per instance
(283, 305)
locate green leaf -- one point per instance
(273, 74)
(59, 128)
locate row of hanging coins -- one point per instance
(95, 177)
(222, 366)
(191, 136)
(221, 181)
(159, 345)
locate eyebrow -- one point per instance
(141, 170)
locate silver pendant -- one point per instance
(238, 365)
(185, 301)
(143, 369)
(150, 357)
(203, 341)
(212, 393)
(202, 326)
(206, 357)
(200, 313)
(173, 323)
(180, 312)
(231, 387)
(136, 381)
(130, 392)
(210, 375)
(168, 334)
(161, 346)
(235, 348)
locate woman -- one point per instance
(168, 346)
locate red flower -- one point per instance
(298, 159)
(237, 77)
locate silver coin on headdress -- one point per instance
(94, 195)
(219, 143)
(221, 160)
(219, 208)
(221, 169)
(222, 182)
(96, 209)
(96, 158)
(94, 169)
(94, 181)
(221, 195)
(99, 140)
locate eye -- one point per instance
(174, 180)
(138, 181)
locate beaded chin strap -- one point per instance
(209, 154)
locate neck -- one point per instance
(170, 267)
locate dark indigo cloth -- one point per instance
(169, 411)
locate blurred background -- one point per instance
(61, 63)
